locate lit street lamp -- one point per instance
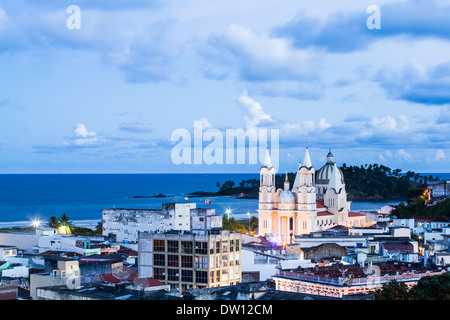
(36, 224)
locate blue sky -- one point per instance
(107, 97)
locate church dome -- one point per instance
(324, 173)
(286, 196)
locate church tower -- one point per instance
(268, 196)
(306, 193)
(267, 189)
(306, 196)
(335, 198)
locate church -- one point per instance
(315, 201)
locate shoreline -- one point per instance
(23, 224)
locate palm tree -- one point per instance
(99, 229)
(65, 220)
(54, 222)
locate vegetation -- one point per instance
(375, 182)
(240, 226)
(392, 291)
(82, 231)
(55, 222)
(368, 182)
(428, 288)
(419, 208)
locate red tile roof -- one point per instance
(324, 213)
(355, 214)
(131, 276)
(402, 247)
(319, 204)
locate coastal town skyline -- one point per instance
(102, 89)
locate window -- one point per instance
(217, 246)
(187, 276)
(201, 247)
(201, 276)
(224, 261)
(159, 259)
(172, 246)
(172, 260)
(159, 246)
(186, 262)
(158, 273)
(186, 247)
(172, 275)
(218, 276)
(201, 262)
(225, 247)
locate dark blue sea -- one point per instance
(24, 197)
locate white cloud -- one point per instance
(81, 137)
(403, 155)
(80, 131)
(262, 57)
(255, 114)
(205, 123)
(440, 155)
(289, 131)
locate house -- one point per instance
(74, 271)
(339, 281)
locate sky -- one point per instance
(103, 89)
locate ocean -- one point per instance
(25, 197)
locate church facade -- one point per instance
(316, 201)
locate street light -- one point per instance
(228, 211)
(36, 223)
(248, 213)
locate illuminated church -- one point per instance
(316, 201)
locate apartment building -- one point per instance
(125, 224)
(191, 260)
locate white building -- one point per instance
(11, 266)
(309, 206)
(125, 224)
(68, 243)
(440, 189)
(25, 241)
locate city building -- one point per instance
(76, 270)
(123, 225)
(439, 189)
(190, 260)
(340, 281)
(309, 205)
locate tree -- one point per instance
(65, 220)
(99, 229)
(393, 290)
(232, 224)
(253, 223)
(432, 288)
(53, 222)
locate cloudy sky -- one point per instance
(106, 95)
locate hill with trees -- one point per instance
(365, 182)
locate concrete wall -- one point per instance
(39, 280)
(22, 240)
(326, 250)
